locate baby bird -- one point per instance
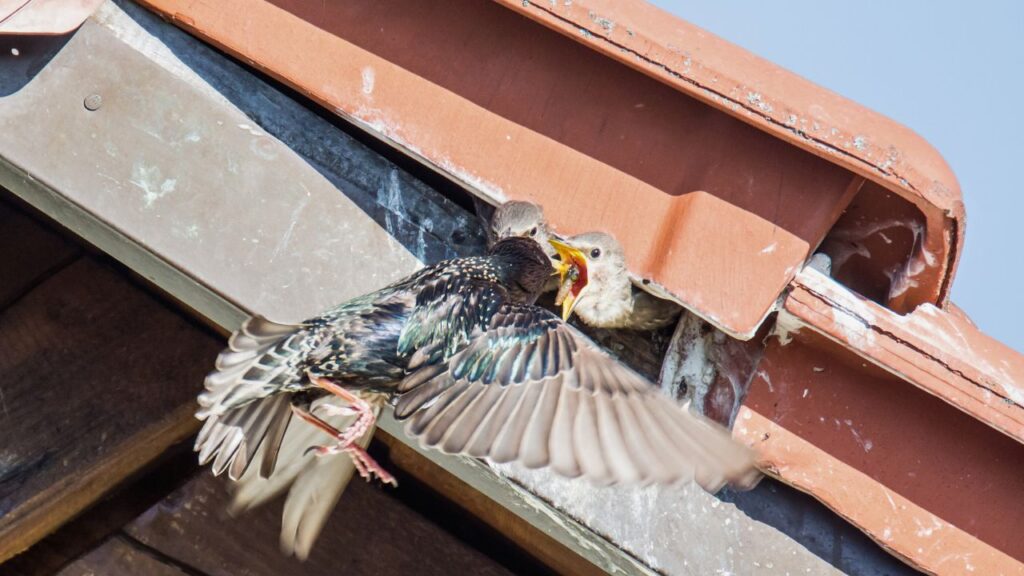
(524, 219)
(615, 302)
(596, 286)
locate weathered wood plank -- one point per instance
(534, 540)
(92, 529)
(119, 556)
(105, 519)
(370, 533)
(29, 251)
(97, 377)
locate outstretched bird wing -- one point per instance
(449, 310)
(529, 388)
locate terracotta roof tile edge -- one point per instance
(942, 355)
(335, 84)
(942, 548)
(766, 96)
(646, 48)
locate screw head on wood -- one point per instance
(93, 102)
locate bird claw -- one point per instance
(365, 464)
(368, 467)
(330, 450)
(346, 440)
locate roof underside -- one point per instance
(721, 174)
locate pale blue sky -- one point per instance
(951, 71)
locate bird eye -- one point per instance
(533, 231)
(595, 253)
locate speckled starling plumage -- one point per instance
(365, 344)
(474, 367)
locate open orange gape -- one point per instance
(722, 175)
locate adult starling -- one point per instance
(473, 366)
(595, 284)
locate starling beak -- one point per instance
(475, 368)
(596, 286)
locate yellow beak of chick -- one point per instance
(572, 276)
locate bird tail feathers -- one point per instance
(239, 406)
(247, 412)
(314, 483)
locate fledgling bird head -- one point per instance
(522, 219)
(523, 268)
(600, 286)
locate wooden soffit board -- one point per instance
(604, 137)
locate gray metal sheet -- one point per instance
(221, 175)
